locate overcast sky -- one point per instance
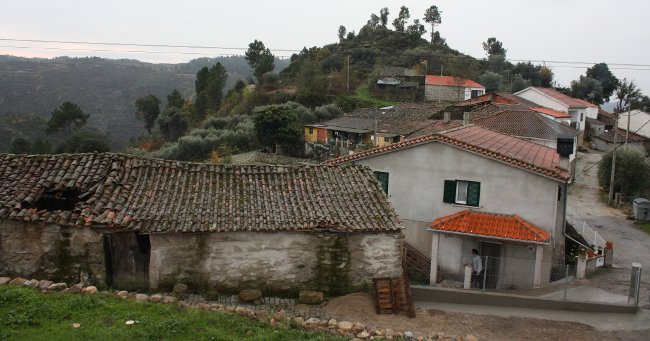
(549, 30)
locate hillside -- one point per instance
(31, 88)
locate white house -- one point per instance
(449, 88)
(639, 122)
(516, 186)
(550, 98)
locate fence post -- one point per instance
(485, 266)
(566, 279)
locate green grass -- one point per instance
(362, 93)
(26, 314)
(645, 227)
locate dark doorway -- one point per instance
(127, 260)
(491, 256)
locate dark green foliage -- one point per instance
(626, 92)
(41, 146)
(233, 133)
(632, 171)
(374, 21)
(491, 81)
(642, 103)
(342, 32)
(172, 124)
(383, 16)
(433, 16)
(402, 18)
(588, 89)
(175, 99)
(605, 77)
(27, 314)
(147, 110)
(66, 119)
(537, 75)
(494, 49)
(518, 83)
(259, 58)
(416, 30)
(278, 125)
(209, 87)
(20, 145)
(84, 141)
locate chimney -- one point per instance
(565, 149)
(466, 118)
(447, 117)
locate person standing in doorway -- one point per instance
(477, 269)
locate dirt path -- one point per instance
(360, 307)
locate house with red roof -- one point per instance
(448, 88)
(578, 109)
(475, 188)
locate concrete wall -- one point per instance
(579, 116)
(600, 144)
(273, 262)
(51, 252)
(542, 100)
(416, 187)
(637, 120)
(444, 93)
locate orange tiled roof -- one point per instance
(551, 112)
(451, 81)
(491, 144)
(491, 225)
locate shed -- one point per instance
(137, 223)
(641, 209)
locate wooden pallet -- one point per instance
(393, 295)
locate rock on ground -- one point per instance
(249, 295)
(57, 287)
(4, 280)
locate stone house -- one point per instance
(512, 192)
(136, 223)
(448, 88)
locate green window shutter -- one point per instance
(450, 192)
(382, 177)
(473, 193)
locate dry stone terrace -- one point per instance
(150, 195)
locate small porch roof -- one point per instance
(491, 225)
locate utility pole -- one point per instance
(348, 83)
(610, 198)
(629, 116)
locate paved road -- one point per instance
(631, 244)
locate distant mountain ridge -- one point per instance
(104, 88)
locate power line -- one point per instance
(123, 51)
(619, 66)
(615, 148)
(134, 44)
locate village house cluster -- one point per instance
(486, 172)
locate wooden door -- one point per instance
(127, 260)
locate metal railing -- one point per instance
(590, 235)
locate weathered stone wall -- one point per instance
(273, 262)
(444, 93)
(51, 252)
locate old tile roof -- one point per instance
(606, 117)
(451, 81)
(572, 103)
(551, 112)
(151, 195)
(436, 126)
(526, 124)
(483, 224)
(620, 136)
(504, 148)
(408, 111)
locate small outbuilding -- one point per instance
(641, 209)
(137, 223)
